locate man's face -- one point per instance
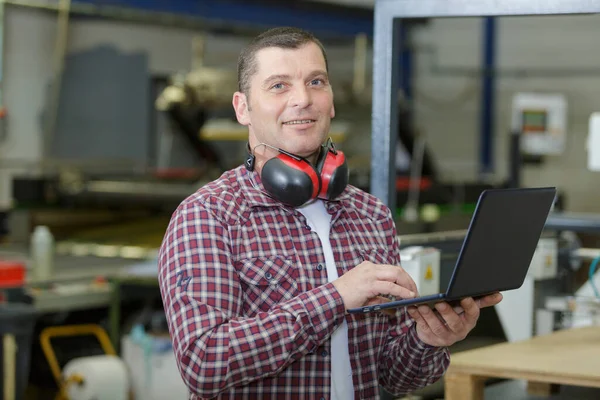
(290, 100)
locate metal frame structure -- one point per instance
(386, 71)
(329, 21)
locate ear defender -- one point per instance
(294, 181)
(290, 179)
(333, 170)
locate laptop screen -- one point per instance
(501, 240)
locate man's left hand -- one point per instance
(449, 325)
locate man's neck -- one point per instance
(262, 154)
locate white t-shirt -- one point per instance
(342, 387)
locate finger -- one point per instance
(414, 314)
(377, 300)
(482, 302)
(471, 310)
(452, 320)
(389, 311)
(434, 323)
(455, 304)
(382, 300)
(490, 300)
(459, 310)
(391, 288)
(398, 275)
(404, 279)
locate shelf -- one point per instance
(223, 131)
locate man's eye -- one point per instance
(317, 82)
(277, 86)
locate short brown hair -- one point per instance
(283, 37)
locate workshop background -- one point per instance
(112, 112)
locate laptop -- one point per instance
(497, 250)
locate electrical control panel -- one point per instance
(593, 143)
(544, 263)
(541, 120)
(423, 266)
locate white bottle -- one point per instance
(42, 253)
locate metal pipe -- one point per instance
(60, 51)
(221, 23)
(127, 191)
(3, 133)
(198, 51)
(406, 70)
(587, 253)
(422, 238)
(151, 190)
(123, 14)
(360, 65)
(105, 166)
(416, 167)
(488, 89)
(436, 68)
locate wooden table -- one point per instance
(568, 357)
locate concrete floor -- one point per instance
(517, 390)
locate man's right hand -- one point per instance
(367, 282)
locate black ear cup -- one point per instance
(290, 181)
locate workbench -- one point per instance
(567, 357)
(77, 283)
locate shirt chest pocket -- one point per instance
(376, 255)
(267, 281)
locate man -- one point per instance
(256, 290)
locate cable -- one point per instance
(591, 276)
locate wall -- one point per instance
(448, 107)
(30, 36)
(28, 58)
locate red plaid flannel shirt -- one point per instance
(249, 307)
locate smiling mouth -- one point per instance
(299, 122)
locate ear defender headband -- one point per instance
(294, 181)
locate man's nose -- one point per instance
(300, 97)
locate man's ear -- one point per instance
(240, 105)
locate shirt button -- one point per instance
(324, 353)
(269, 276)
(319, 267)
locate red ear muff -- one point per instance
(293, 181)
(334, 175)
(333, 171)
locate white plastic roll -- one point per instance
(104, 378)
